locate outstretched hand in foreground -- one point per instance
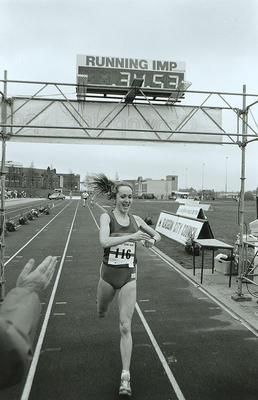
(38, 279)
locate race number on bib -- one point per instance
(122, 254)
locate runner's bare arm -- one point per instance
(107, 241)
(150, 231)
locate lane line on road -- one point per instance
(162, 358)
(34, 363)
(33, 237)
(59, 313)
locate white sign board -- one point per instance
(84, 115)
(205, 207)
(188, 211)
(178, 228)
(188, 201)
(193, 211)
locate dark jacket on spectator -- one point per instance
(19, 315)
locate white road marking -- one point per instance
(163, 361)
(33, 366)
(61, 302)
(59, 313)
(33, 237)
(50, 349)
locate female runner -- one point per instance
(119, 233)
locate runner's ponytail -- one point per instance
(103, 186)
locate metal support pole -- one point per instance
(2, 209)
(239, 296)
(256, 197)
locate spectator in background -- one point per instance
(19, 315)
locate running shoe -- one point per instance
(125, 388)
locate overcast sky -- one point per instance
(217, 39)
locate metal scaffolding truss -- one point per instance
(141, 119)
(130, 117)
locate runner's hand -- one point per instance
(139, 235)
(149, 243)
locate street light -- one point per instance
(186, 170)
(226, 182)
(203, 165)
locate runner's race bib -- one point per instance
(122, 254)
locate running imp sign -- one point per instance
(115, 72)
(180, 228)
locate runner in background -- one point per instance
(84, 198)
(119, 233)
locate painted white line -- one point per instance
(94, 219)
(52, 349)
(61, 302)
(59, 313)
(33, 366)
(33, 237)
(163, 361)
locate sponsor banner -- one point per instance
(94, 114)
(178, 228)
(139, 64)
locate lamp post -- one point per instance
(203, 165)
(186, 171)
(226, 182)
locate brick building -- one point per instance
(34, 180)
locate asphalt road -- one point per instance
(185, 345)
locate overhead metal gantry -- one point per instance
(133, 115)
